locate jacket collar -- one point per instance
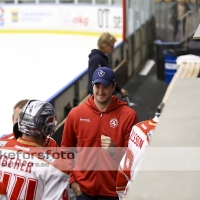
(114, 104)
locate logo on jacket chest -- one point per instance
(114, 123)
(85, 120)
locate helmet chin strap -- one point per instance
(16, 131)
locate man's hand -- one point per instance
(124, 92)
(107, 144)
(75, 187)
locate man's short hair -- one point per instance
(20, 104)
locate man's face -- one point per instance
(103, 94)
(109, 48)
(16, 115)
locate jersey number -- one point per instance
(15, 188)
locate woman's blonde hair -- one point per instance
(105, 39)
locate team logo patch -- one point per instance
(2, 143)
(101, 73)
(150, 134)
(114, 123)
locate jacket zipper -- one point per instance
(97, 185)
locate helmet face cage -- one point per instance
(37, 118)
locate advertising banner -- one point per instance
(62, 18)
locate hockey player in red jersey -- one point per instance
(140, 137)
(27, 169)
(50, 142)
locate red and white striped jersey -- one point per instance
(30, 172)
(3, 195)
(139, 138)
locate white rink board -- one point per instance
(37, 66)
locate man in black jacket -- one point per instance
(98, 58)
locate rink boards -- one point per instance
(38, 66)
